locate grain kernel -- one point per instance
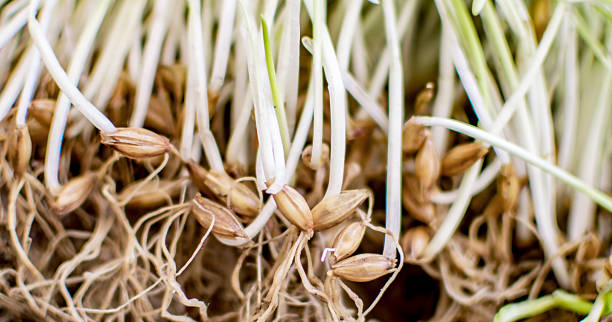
(508, 186)
(335, 209)
(20, 150)
(307, 156)
(347, 241)
(136, 143)
(294, 207)
(74, 193)
(425, 96)
(159, 116)
(42, 110)
(242, 199)
(226, 223)
(461, 157)
(364, 267)
(413, 200)
(198, 174)
(413, 136)
(414, 241)
(427, 165)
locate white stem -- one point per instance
(443, 103)
(289, 62)
(512, 103)
(103, 78)
(133, 65)
(237, 151)
(9, 29)
(570, 99)
(60, 115)
(176, 30)
(582, 210)
(268, 133)
(33, 76)
(269, 8)
(222, 45)
(151, 54)
(367, 102)
(542, 186)
(394, 139)
(379, 76)
(338, 110)
(199, 88)
(55, 69)
(189, 115)
(237, 144)
(359, 61)
(347, 33)
(317, 79)
(14, 84)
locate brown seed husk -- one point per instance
(461, 157)
(159, 116)
(74, 193)
(42, 110)
(414, 200)
(425, 96)
(335, 209)
(20, 150)
(414, 241)
(352, 171)
(198, 174)
(243, 200)
(413, 136)
(347, 241)
(427, 165)
(363, 267)
(508, 187)
(294, 207)
(173, 78)
(226, 223)
(136, 143)
(307, 156)
(151, 194)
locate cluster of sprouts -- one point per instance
(219, 154)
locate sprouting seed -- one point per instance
(347, 241)
(198, 174)
(413, 200)
(294, 207)
(242, 199)
(20, 150)
(42, 110)
(425, 96)
(226, 223)
(364, 267)
(335, 209)
(307, 156)
(461, 157)
(508, 186)
(74, 193)
(413, 136)
(427, 165)
(136, 143)
(159, 116)
(414, 241)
